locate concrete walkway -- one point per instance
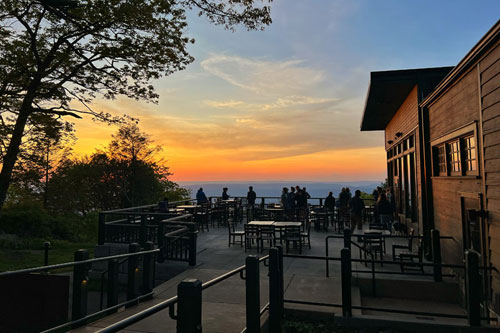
(224, 303)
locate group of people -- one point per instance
(296, 198)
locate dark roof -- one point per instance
(389, 89)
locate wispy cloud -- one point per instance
(263, 76)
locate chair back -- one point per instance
(373, 238)
(252, 229)
(292, 231)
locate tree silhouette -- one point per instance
(56, 56)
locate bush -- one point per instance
(31, 220)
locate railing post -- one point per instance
(282, 290)
(148, 271)
(46, 247)
(263, 203)
(346, 276)
(80, 285)
(275, 290)
(189, 306)
(161, 240)
(113, 282)
(436, 255)
(133, 272)
(143, 230)
(252, 284)
(101, 236)
(321, 201)
(347, 238)
(192, 248)
(473, 288)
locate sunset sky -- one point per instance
(286, 103)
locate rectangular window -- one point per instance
(454, 157)
(441, 158)
(470, 153)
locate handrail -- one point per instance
(75, 263)
(227, 275)
(113, 211)
(124, 323)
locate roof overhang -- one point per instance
(388, 90)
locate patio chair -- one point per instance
(202, 218)
(292, 235)
(252, 233)
(306, 234)
(233, 234)
(267, 234)
(412, 260)
(373, 242)
(408, 246)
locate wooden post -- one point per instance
(113, 282)
(473, 288)
(274, 292)
(189, 306)
(101, 235)
(80, 286)
(252, 291)
(346, 276)
(347, 238)
(133, 273)
(143, 230)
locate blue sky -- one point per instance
(254, 103)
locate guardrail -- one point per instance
(140, 266)
(473, 287)
(189, 301)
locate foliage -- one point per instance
(56, 56)
(30, 219)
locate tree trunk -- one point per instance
(15, 142)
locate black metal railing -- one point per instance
(135, 224)
(189, 301)
(140, 281)
(473, 286)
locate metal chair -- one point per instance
(407, 259)
(408, 246)
(233, 234)
(267, 234)
(292, 234)
(306, 234)
(252, 233)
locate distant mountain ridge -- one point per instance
(273, 189)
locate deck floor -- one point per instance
(224, 304)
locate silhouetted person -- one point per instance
(225, 196)
(356, 206)
(330, 202)
(201, 198)
(384, 209)
(306, 194)
(291, 198)
(163, 205)
(348, 191)
(251, 196)
(284, 199)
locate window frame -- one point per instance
(457, 136)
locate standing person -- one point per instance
(349, 194)
(225, 196)
(163, 205)
(356, 206)
(251, 196)
(291, 200)
(330, 202)
(306, 194)
(375, 195)
(201, 198)
(384, 209)
(284, 199)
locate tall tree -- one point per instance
(57, 55)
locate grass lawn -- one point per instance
(33, 256)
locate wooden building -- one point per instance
(442, 137)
